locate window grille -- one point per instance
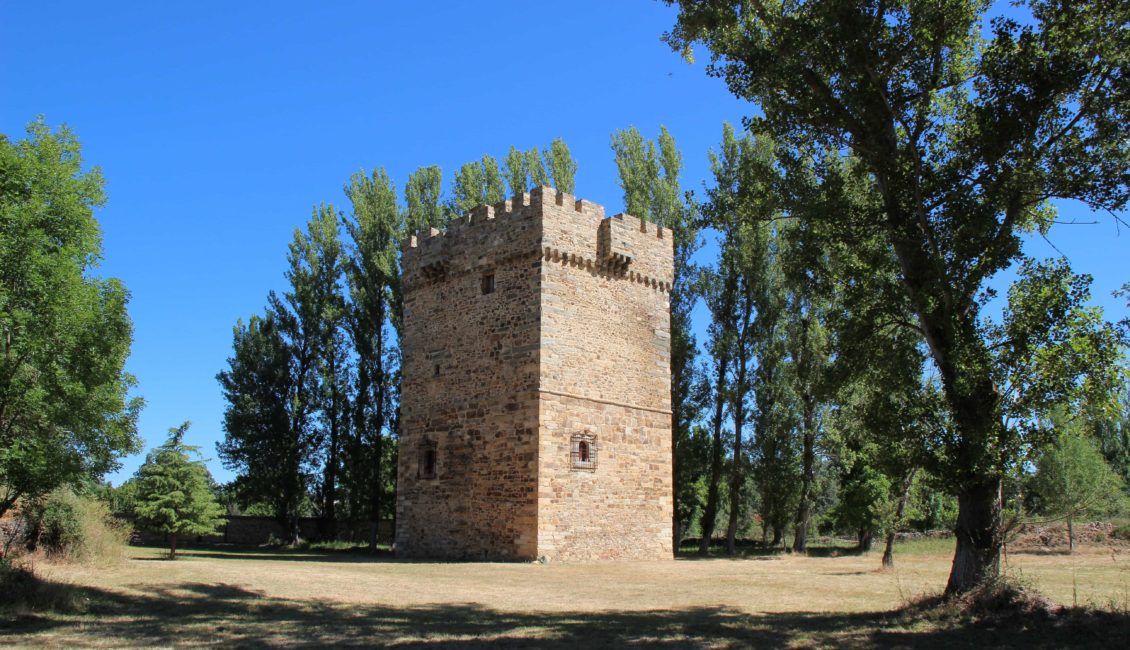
(583, 451)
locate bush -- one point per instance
(75, 527)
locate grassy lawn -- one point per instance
(317, 598)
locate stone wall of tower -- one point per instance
(605, 377)
(469, 387)
(572, 344)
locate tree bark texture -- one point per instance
(978, 534)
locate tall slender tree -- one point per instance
(536, 167)
(422, 195)
(375, 227)
(324, 261)
(561, 166)
(516, 169)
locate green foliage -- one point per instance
(271, 457)
(75, 526)
(475, 184)
(536, 168)
(422, 195)
(1111, 428)
(373, 275)
(57, 522)
(174, 491)
(930, 507)
(562, 168)
(122, 499)
(1073, 480)
(965, 140)
(65, 335)
(865, 502)
(516, 169)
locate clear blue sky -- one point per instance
(220, 125)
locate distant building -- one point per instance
(536, 388)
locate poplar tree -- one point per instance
(966, 140)
(375, 227)
(517, 171)
(476, 183)
(561, 166)
(536, 168)
(322, 273)
(422, 196)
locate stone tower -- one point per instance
(536, 388)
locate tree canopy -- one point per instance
(65, 409)
(965, 142)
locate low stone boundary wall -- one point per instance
(244, 530)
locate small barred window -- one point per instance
(583, 451)
(488, 283)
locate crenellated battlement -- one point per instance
(618, 245)
(517, 208)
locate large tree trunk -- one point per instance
(978, 533)
(948, 321)
(172, 546)
(866, 536)
(710, 513)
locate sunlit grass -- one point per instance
(339, 595)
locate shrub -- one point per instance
(75, 527)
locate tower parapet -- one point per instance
(536, 384)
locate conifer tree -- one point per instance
(174, 494)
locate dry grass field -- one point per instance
(286, 598)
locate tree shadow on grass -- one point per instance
(233, 616)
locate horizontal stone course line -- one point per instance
(605, 401)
